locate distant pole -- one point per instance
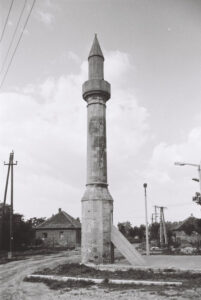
(11, 206)
(163, 232)
(147, 236)
(164, 227)
(161, 227)
(155, 207)
(10, 166)
(3, 209)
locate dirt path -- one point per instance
(12, 286)
(12, 275)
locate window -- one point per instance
(44, 235)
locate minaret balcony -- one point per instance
(97, 87)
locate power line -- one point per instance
(25, 24)
(13, 36)
(4, 28)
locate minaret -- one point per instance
(97, 203)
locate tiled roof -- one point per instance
(190, 223)
(60, 220)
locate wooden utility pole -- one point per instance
(10, 168)
(164, 228)
(161, 227)
(3, 208)
(163, 232)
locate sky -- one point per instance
(152, 51)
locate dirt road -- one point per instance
(12, 275)
(12, 286)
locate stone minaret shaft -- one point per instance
(97, 203)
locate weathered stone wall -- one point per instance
(59, 237)
(96, 141)
(96, 228)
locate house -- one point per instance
(60, 230)
(188, 232)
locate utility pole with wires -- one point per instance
(155, 215)
(163, 231)
(10, 165)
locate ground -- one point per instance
(13, 286)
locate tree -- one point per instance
(154, 231)
(23, 231)
(142, 232)
(36, 221)
(125, 228)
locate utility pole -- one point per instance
(10, 168)
(163, 232)
(164, 227)
(161, 227)
(155, 214)
(147, 234)
(3, 208)
(152, 218)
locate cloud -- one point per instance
(170, 185)
(74, 57)
(118, 68)
(165, 155)
(161, 169)
(45, 17)
(45, 124)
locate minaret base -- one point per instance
(97, 214)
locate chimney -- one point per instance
(59, 210)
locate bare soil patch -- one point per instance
(190, 281)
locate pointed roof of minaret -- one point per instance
(96, 49)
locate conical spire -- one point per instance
(96, 49)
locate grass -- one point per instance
(57, 285)
(108, 287)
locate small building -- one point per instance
(188, 232)
(60, 230)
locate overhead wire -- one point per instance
(6, 21)
(25, 24)
(13, 36)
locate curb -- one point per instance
(100, 280)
